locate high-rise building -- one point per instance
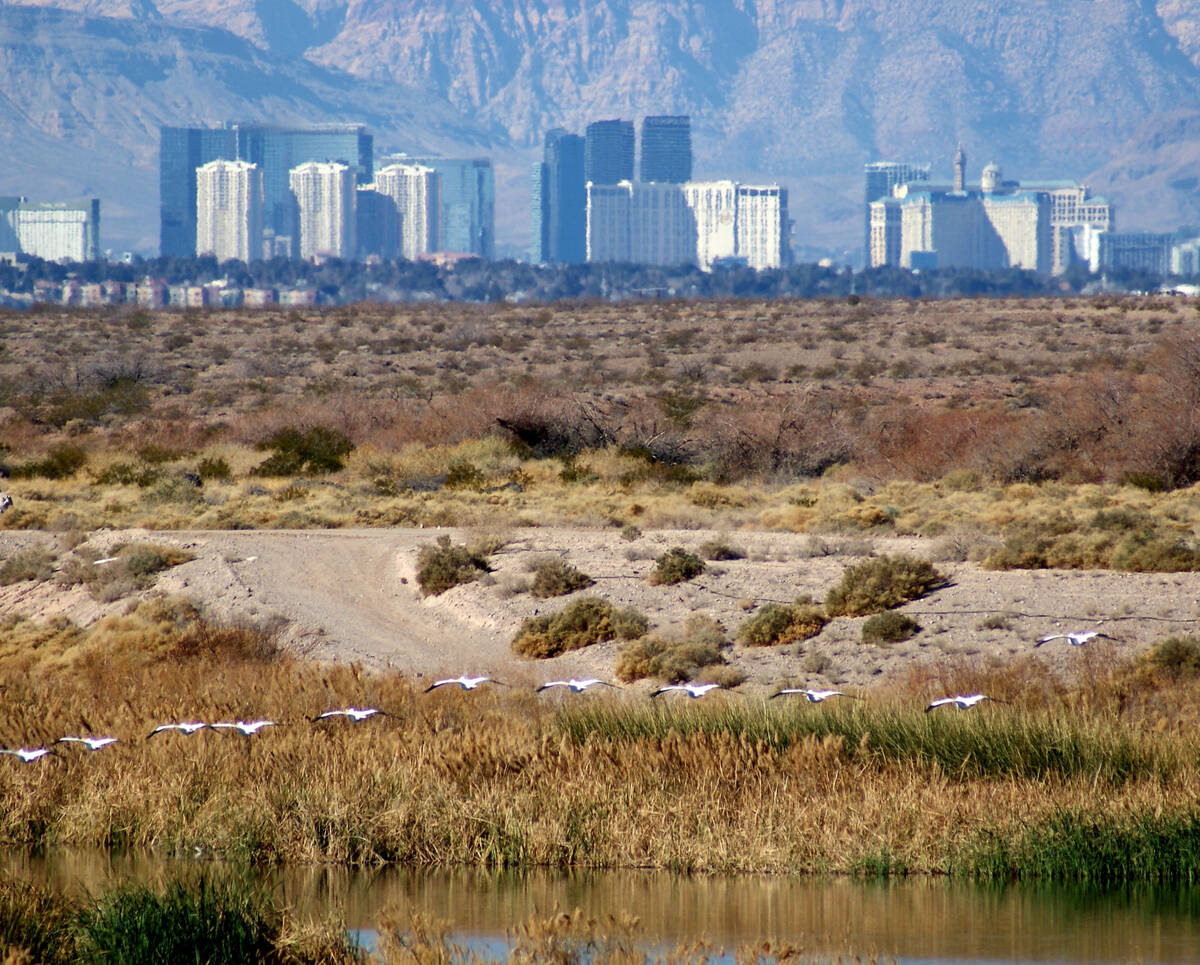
(53, 231)
(325, 202)
(468, 202)
(608, 152)
(560, 201)
(414, 189)
(695, 223)
(276, 150)
(376, 224)
(229, 210)
(880, 178)
(667, 148)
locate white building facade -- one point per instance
(325, 195)
(415, 189)
(52, 231)
(229, 211)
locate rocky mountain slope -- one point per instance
(803, 91)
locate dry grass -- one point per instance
(504, 780)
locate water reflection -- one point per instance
(917, 920)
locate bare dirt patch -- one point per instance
(352, 596)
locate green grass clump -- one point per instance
(1083, 847)
(979, 745)
(443, 565)
(297, 451)
(32, 563)
(556, 577)
(209, 921)
(889, 627)
(215, 468)
(581, 623)
(880, 584)
(675, 566)
(778, 623)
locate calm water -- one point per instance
(915, 921)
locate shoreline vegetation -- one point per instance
(1094, 782)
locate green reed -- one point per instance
(985, 742)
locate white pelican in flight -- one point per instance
(812, 696)
(352, 713)
(91, 743)
(692, 690)
(27, 754)
(1077, 639)
(245, 728)
(575, 686)
(963, 703)
(466, 683)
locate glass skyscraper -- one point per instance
(468, 202)
(560, 201)
(608, 152)
(276, 150)
(667, 148)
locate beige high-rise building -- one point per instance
(229, 210)
(416, 190)
(325, 196)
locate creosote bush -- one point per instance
(443, 565)
(317, 450)
(778, 623)
(1177, 658)
(720, 550)
(61, 462)
(880, 584)
(32, 563)
(889, 627)
(674, 657)
(675, 566)
(581, 623)
(556, 577)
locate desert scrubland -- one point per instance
(892, 498)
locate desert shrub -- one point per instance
(61, 462)
(215, 468)
(581, 623)
(888, 627)
(676, 657)
(126, 474)
(464, 474)
(720, 550)
(32, 563)
(995, 621)
(675, 566)
(1146, 552)
(778, 623)
(147, 559)
(881, 584)
(629, 532)
(442, 565)
(1176, 657)
(557, 577)
(296, 451)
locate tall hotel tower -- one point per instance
(325, 199)
(560, 201)
(229, 210)
(415, 190)
(608, 152)
(667, 148)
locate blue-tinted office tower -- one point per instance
(276, 150)
(468, 202)
(667, 148)
(560, 201)
(608, 152)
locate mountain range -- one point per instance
(799, 91)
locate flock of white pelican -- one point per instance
(248, 728)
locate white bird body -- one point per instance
(465, 682)
(352, 713)
(243, 727)
(812, 696)
(91, 743)
(692, 690)
(5, 501)
(1076, 639)
(27, 754)
(960, 701)
(575, 686)
(187, 727)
